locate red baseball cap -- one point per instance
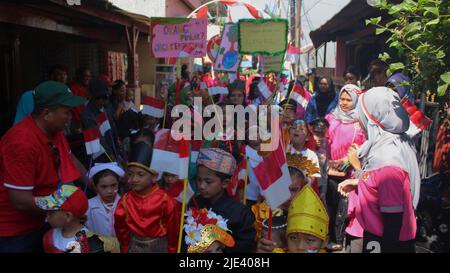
(67, 198)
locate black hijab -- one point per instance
(324, 99)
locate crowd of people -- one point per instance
(354, 176)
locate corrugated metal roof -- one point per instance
(350, 17)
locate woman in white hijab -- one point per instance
(389, 182)
(343, 132)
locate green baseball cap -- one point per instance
(51, 93)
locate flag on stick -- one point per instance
(153, 107)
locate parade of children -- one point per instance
(215, 157)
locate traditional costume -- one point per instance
(240, 217)
(307, 215)
(203, 228)
(72, 199)
(261, 210)
(146, 223)
(312, 158)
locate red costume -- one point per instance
(153, 216)
(78, 90)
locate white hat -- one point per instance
(112, 166)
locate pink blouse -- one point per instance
(342, 135)
(354, 228)
(385, 190)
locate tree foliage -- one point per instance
(419, 32)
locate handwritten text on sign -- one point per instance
(272, 64)
(184, 39)
(267, 37)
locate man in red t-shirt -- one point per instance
(34, 158)
(80, 88)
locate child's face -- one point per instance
(209, 184)
(130, 95)
(300, 243)
(121, 93)
(297, 184)
(170, 179)
(107, 188)
(318, 138)
(288, 116)
(139, 179)
(237, 97)
(58, 218)
(298, 134)
(216, 247)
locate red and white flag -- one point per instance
(274, 178)
(92, 140)
(153, 107)
(103, 123)
(216, 87)
(293, 54)
(202, 13)
(177, 191)
(418, 119)
(301, 95)
(236, 8)
(170, 155)
(264, 89)
(238, 179)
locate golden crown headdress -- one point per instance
(303, 164)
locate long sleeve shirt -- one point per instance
(240, 221)
(153, 215)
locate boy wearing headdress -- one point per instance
(300, 169)
(215, 168)
(146, 217)
(307, 223)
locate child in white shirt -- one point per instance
(100, 214)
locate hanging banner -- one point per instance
(228, 57)
(265, 36)
(178, 37)
(272, 64)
